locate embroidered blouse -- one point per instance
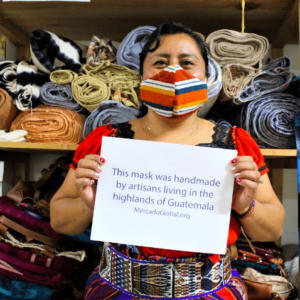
(222, 138)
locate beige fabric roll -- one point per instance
(232, 47)
(8, 111)
(235, 78)
(90, 91)
(121, 81)
(51, 124)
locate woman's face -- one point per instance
(179, 49)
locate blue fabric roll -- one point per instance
(214, 86)
(128, 53)
(269, 120)
(59, 95)
(110, 111)
(275, 77)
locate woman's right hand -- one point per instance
(86, 175)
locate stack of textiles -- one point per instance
(240, 55)
(255, 94)
(267, 110)
(265, 262)
(264, 257)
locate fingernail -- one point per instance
(233, 169)
(97, 174)
(92, 181)
(236, 175)
(98, 169)
(238, 180)
(234, 161)
(102, 160)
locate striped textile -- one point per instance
(173, 92)
(97, 288)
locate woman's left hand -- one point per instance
(247, 179)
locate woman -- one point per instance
(175, 49)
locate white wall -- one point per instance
(290, 203)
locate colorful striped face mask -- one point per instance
(173, 92)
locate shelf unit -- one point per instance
(277, 20)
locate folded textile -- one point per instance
(269, 120)
(121, 81)
(13, 136)
(51, 124)
(89, 91)
(278, 65)
(100, 50)
(214, 86)
(8, 77)
(128, 54)
(232, 47)
(63, 76)
(29, 82)
(235, 79)
(266, 82)
(59, 95)
(112, 112)
(8, 111)
(45, 47)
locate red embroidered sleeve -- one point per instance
(92, 143)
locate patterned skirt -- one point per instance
(98, 289)
(123, 277)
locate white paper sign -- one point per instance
(164, 195)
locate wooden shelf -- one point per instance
(37, 147)
(67, 148)
(279, 153)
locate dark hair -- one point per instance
(173, 28)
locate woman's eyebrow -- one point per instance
(166, 55)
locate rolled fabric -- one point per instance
(51, 124)
(122, 81)
(235, 79)
(8, 111)
(89, 91)
(278, 65)
(232, 47)
(112, 112)
(8, 77)
(128, 54)
(269, 120)
(63, 76)
(59, 95)
(214, 86)
(100, 50)
(265, 83)
(29, 83)
(46, 46)
(14, 136)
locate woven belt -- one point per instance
(162, 279)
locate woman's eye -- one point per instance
(186, 63)
(160, 63)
